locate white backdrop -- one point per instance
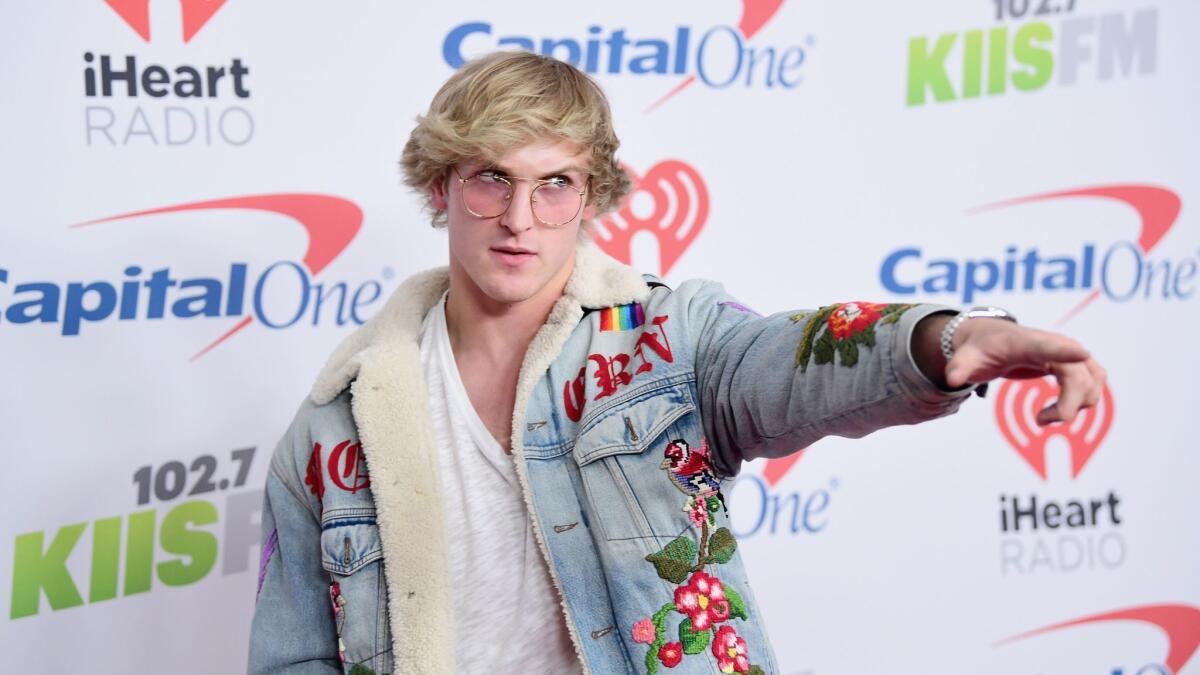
(836, 151)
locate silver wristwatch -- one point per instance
(973, 313)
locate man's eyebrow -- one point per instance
(577, 169)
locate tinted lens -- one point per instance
(556, 204)
(486, 196)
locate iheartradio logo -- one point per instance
(1017, 405)
(668, 203)
(195, 13)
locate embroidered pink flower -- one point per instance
(643, 631)
(697, 511)
(703, 600)
(730, 650)
(671, 654)
(853, 317)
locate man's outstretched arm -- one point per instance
(771, 386)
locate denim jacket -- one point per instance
(636, 405)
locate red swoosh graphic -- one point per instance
(776, 469)
(755, 15)
(1181, 623)
(331, 224)
(1157, 207)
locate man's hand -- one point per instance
(985, 349)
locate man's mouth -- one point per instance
(513, 255)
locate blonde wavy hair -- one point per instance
(505, 100)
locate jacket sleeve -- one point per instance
(292, 630)
(770, 386)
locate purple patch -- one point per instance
(739, 307)
(267, 550)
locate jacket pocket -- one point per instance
(351, 552)
(621, 462)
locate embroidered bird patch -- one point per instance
(692, 473)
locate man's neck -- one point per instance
(492, 331)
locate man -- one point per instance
(549, 434)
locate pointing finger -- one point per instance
(1045, 347)
(1074, 380)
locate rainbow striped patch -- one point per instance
(622, 317)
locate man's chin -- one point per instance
(510, 291)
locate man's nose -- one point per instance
(519, 216)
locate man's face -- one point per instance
(514, 257)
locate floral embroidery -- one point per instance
(847, 326)
(671, 654)
(705, 602)
(643, 631)
(730, 650)
(339, 616)
(702, 600)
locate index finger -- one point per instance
(1043, 347)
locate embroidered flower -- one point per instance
(643, 631)
(703, 600)
(671, 654)
(730, 650)
(853, 317)
(697, 511)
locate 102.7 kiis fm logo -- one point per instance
(1031, 44)
(178, 541)
(134, 100)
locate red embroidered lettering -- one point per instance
(312, 477)
(351, 464)
(611, 374)
(650, 340)
(573, 396)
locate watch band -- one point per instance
(973, 313)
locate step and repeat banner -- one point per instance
(202, 197)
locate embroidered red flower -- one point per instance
(643, 631)
(671, 654)
(730, 650)
(703, 600)
(853, 317)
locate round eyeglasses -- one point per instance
(488, 194)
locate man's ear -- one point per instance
(437, 193)
(589, 211)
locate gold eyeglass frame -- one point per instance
(462, 184)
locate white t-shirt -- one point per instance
(507, 617)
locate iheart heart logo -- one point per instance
(670, 202)
(136, 13)
(1017, 405)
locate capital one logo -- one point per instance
(669, 204)
(719, 57)
(1017, 405)
(136, 13)
(330, 223)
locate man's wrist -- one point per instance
(927, 348)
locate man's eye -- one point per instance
(558, 182)
(490, 176)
